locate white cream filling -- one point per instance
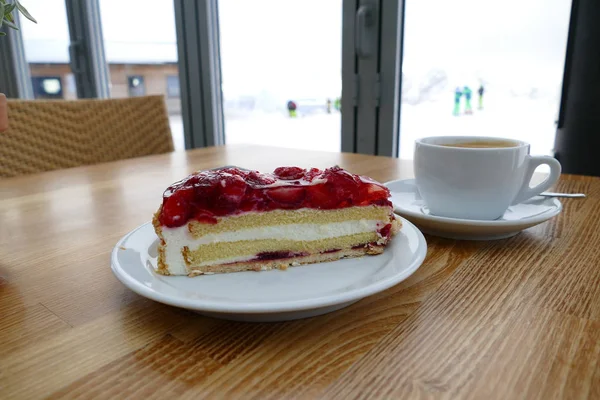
(177, 238)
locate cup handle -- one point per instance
(535, 161)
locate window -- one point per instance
(512, 52)
(141, 55)
(173, 86)
(47, 87)
(47, 49)
(136, 86)
(281, 76)
(280, 79)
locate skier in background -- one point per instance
(328, 106)
(468, 93)
(291, 106)
(338, 104)
(457, 96)
(481, 90)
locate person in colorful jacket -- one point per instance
(468, 94)
(480, 91)
(291, 106)
(457, 95)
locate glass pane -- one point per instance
(141, 49)
(281, 72)
(483, 68)
(47, 50)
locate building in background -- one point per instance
(142, 59)
(52, 80)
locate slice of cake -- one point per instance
(231, 220)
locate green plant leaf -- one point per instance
(11, 25)
(9, 8)
(2, 34)
(24, 11)
(10, 17)
(2, 8)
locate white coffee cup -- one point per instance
(477, 182)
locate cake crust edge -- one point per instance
(162, 267)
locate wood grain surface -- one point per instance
(510, 319)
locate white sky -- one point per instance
(512, 42)
(291, 46)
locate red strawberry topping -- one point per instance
(205, 196)
(289, 173)
(286, 195)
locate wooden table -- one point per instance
(516, 318)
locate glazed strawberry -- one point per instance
(256, 178)
(176, 208)
(321, 197)
(371, 192)
(344, 184)
(289, 173)
(286, 195)
(232, 189)
(174, 187)
(377, 191)
(254, 200)
(312, 174)
(173, 215)
(234, 171)
(386, 231)
(205, 217)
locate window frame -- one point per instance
(199, 60)
(86, 49)
(372, 76)
(15, 76)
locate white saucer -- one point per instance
(408, 203)
(298, 292)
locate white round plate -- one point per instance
(409, 204)
(298, 292)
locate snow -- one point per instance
(520, 118)
(514, 117)
(319, 131)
